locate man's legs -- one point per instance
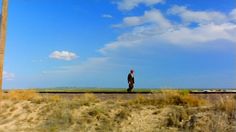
(131, 86)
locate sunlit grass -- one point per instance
(167, 110)
(21, 95)
(169, 97)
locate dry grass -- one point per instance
(227, 105)
(21, 95)
(87, 99)
(169, 97)
(169, 111)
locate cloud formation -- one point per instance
(153, 27)
(63, 55)
(131, 4)
(201, 17)
(202, 34)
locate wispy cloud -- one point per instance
(37, 60)
(201, 17)
(91, 65)
(8, 76)
(153, 16)
(107, 16)
(131, 4)
(63, 55)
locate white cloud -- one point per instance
(201, 34)
(8, 76)
(152, 23)
(130, 4)
(130, 21)
(150, 17)
(63, 55)
(154, 28)
(201, 17)
(143, 35)
(107, 16)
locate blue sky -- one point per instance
(94, 43)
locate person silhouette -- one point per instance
(130, 80)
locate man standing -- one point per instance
(130, 81)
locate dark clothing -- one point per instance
(130, 78)
(130, 82)
(131, 86)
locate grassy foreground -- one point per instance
(168, 111)
(88, 90)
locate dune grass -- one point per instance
(169, 110)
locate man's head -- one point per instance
(131, 71)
